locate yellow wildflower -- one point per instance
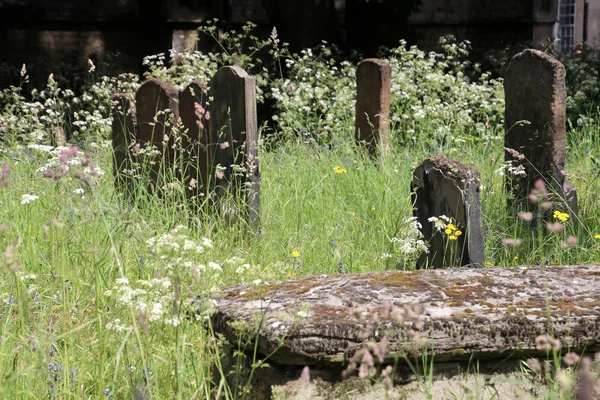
(597, 236)
(458, 233)
(339, 170)
(561, 216)
(452, 237)
(451, 227)
(295, 254)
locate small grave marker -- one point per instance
(535, 91)
(155, 125)
(446, 187)
(373, 88)
(233, 137)
(123, 134)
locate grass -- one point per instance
(93, 307)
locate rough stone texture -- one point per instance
(123, 134)
(475, 319)
(373, 87)
(152, 99)
(234, 136)
(195, 142)
(442, 186)
(535, 91)
(488, 313)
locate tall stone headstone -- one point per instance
(373, 88)
(157, 113)
(195, 141)
(444, 187)
(123, 135)
(535, 124)
(233, 138)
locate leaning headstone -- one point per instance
(233, 141)
(535, 123)
(447, 190)
(157, 112)
(123, 134)
(373, 87)
(195, 140)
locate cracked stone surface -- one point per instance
(487, 313)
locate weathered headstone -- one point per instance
(444, 187)
(195, 142)
(123, 135)
(233, 138)
(373, 88)
(535, 123)
(157, 112)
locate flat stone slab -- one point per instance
(485, 313)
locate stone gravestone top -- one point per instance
(535, 123)
(373, 88)
(157, 112)
(233, 137)
(444, 188)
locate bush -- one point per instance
(583, 81)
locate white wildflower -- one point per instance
(214, 266)
(28, 198)
(156, 312)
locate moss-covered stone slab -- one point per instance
(483, 314)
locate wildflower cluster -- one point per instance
(409, 243)
(43, 116)
(540, 197)
(68, 163)
(452, 232)
(28, 198)
(432, 92)
(315, 99)
(179, 262)
(447, 226)
(511, 169)
(560, 216)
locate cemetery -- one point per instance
(167, 244)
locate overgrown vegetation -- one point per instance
(102, 296)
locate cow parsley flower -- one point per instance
(28, 198)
